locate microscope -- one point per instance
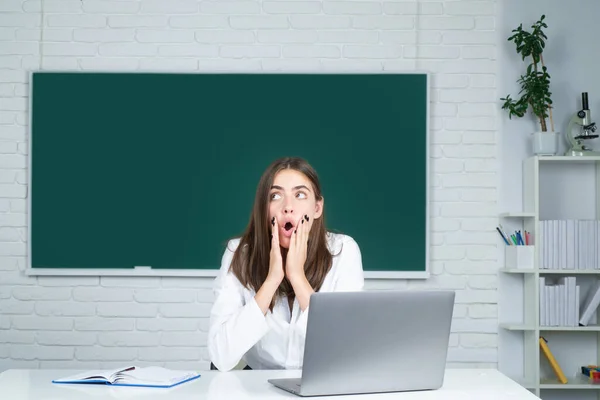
(584, 128)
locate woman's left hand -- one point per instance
(296, 256)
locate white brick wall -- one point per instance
(92, 322)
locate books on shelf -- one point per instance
(559, 302)
(590, 304)
(561, 305)
(133, 376)
(569, 244)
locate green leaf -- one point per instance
(534, 90)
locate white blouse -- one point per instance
(240, 331)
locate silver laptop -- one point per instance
(374, 342)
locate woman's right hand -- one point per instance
(276, 273)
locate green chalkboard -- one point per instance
(160, 169)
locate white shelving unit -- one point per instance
(560, 188)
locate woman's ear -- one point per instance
(319, 207)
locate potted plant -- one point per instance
(535, 87)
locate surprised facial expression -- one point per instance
(290, 198)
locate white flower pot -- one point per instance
(545, 143)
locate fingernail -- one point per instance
(302, 221)
(306, 218)
(273, 221)
(295, 231)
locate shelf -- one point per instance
(517, 215)
(552, 271)
(523, 327)
(577, 382)
(570, 271)
(549, 191)
(517, 327)
(517, 271)
(569, 158)
(589, 328)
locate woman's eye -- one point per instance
(274, 196)
(302, 195)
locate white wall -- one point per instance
(96, 322)
(572, 59)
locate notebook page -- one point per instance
(106, 375)
(154, 376)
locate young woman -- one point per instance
(262, 292)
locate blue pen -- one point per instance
(500, 232)
(520, 238)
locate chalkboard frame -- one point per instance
(148, 271)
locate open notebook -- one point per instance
(133, 376)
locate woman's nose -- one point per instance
(288, 209)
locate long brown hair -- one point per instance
(250, 262)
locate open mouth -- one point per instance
(287, 230)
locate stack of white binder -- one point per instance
(560, 303)
(569, 244)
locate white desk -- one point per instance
(459, 384)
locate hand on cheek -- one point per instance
(296, 258)
(276, 272)
(298, 248)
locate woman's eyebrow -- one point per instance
(300, 187)
(294, 188)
